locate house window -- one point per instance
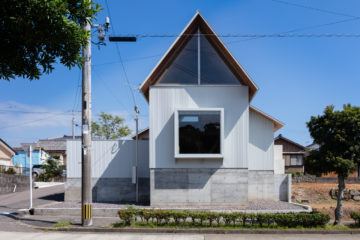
(296, 160)
(198, 63)
(199, 133)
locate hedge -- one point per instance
(217, 219)
(356, 217)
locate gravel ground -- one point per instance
(252, 206)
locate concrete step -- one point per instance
(97, 212)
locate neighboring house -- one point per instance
(208, 145)
(293, 154)
(6, 154)
(21, 158)
(143, 134)
(56, 147)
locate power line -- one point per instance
(303, 28)
(106, 86)
(314, 8)
(34, 112)
(32, 121)
(120, 57)
(250, 35)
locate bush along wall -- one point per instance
(356, 217)
(151, 217)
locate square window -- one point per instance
(198, 133)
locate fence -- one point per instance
(14, 170)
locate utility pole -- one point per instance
(73, 127)
(136, 151)
(86, 185)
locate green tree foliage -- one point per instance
(35, 34)
(52, 169)
(110, 127)
(338, 135)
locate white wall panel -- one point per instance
(261, 142)
(110, 159)
(279, 162)
(165, 100)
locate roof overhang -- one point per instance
(197, 22)
(277, 123)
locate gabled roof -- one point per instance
(290, 141)
(277, 123)
(198, 22)
(10, 149)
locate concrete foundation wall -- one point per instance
(109, 190)
(189, 187)
(265, 185)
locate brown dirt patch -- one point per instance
(317, 196)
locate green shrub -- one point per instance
(356, 217)
(206, 218)
(10, 171)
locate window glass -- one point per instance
(296, 160)
(199, 132)
(287, 160)
(212, 67)
(184, 69)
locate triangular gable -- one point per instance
(198, 22)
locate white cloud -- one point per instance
(19, 116)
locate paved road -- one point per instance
(118, 236)
(20, 200)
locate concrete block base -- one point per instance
(109, 190)
(206, 187)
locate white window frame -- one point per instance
(198, 155)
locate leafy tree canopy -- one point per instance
(110, 127)
(338, 135)
(37, 33)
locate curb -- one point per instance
(195, 231)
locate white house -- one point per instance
(207, 144)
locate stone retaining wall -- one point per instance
(9, 183)
(349, 194)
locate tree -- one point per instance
(35, 34)
(52, 169)
(110, 127)
(338, 135)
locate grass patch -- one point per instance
(62, 224)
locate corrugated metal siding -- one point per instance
(279, 162)
(261, 142)
(110, 159)
(164, 100)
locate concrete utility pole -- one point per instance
(73, 127)
(86, 186)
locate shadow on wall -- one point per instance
(183, 178)
(114, 162)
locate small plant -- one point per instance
(62, 224)
(156, 217)
(356, 217)
(10, 171)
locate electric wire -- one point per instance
(120, 57)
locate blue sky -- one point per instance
(297, 76)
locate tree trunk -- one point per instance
(340, 196)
